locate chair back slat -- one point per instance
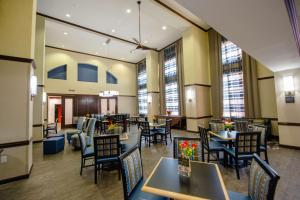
(247, 143)
(204, 137)
(132, 171)
(263, 130)
(241, 126)
(262, 181)
(168, 126)
(106, 146)
(80, 123)
(145, 128)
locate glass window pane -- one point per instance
(142, 88)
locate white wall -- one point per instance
(288, 112)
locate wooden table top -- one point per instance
(224, 135)
(205, 182)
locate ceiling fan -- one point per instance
(139, 42)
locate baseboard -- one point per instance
(37, 141)
(17, 178)
(190, 131)
(289, 146)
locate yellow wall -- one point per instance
(196, 70)
(17, 24)
(124, 72)
(196, 56)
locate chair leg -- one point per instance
(266, 156)
(96, 173)
(166, 137)
(208, 157)
(237, 169)
(202, 153)
(81, 167)
(119, 174)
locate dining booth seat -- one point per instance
(53, 145)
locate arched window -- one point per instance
(59, 72)
(87, 72)
(110, 78)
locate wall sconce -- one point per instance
(33, 86)
(289, 89)
(149, 99)
(44, 97)
(189, 95)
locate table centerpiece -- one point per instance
(187, 153)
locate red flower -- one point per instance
(194, 146)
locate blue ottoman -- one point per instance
(53, 145)
(62, 135)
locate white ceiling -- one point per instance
(259, 27)
(104, 15)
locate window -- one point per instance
(87, 72)
(110, 78)
(233, 87)
(142, 87)
(59, 72)
(171, 82)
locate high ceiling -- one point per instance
(260, 27)
(106, 16)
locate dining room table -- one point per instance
(205, 182)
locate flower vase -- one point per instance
(184, 166)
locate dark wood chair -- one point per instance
(50, 127)
(146, 133)
(177, 149)
(246, 144)
(263, 139)
(103, 126)
(106, 151)
(241, 125)
(87, 153)
(164, 132)
(132, 176)
(211, 147)
(262, 181)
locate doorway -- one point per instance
(108, 105)
(55, 110)
(68, 111)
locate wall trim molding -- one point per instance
(18, 59)
(202, 117)
(288, 124)
(289, 146)
(180, 15)
(197, 84)
(126, 95)
(264, 78)
(88, 54)
(153, 92)
(15, 144)
(17, 178)
(37, 141)
(170, 44)
(37, 125)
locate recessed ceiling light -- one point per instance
(121, 58)
(65, 33)
(96, 53)
(104, 43)
(113, 30)
(62, 45)
(132, 51)
(128, 11)
(68, 15)
(145, 42)
(164, 28)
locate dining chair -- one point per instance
(177, 148)
(210, 146)
(103, 126)
(90, 131)
(78, 129)
(164, 132)
(106, 151)
(241, 125)
(146, 133)
(132, 176)
(217, 126)
(262, 182)
(246, 144)
(263, 139)
(87, 153)
(51, 127)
